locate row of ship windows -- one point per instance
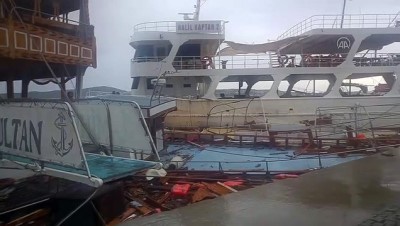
(135, 84)
(36, 45)
(151, 86)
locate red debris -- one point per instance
(234, 183)
(285, 176)
(180, 189)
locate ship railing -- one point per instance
(221, 62)
(164, 26)
(275, 61)
(24, 12)
(335, 59)
(376, 59)
(349, 21)
(147, 59)
(168, 26)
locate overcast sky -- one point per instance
(250, 21)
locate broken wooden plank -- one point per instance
(148, 200)
(31, 217)
(227, 187)
(164, 197)
(201, 194)
(217, 189)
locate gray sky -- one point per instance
(250, 21)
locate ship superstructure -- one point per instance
(326, 56)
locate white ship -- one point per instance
(323, 61)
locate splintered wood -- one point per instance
(182, 188)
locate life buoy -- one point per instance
(206, 61)
(283, 59)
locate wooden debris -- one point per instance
(217, 188)
(30, 218)
(227, 187)
(201, 194)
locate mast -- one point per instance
(343, 10)
(196, 14)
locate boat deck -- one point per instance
(250, 158)
(346, 194)
(107, 168)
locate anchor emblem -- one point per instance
(62, 147)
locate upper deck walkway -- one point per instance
(349, 21)
(346, 194)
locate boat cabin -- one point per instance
(36, 35)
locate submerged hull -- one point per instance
(232, 113)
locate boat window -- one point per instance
(144, 52)
(161, 51)
(187, 85)
(317, 85)
(188, 57)
(149, 84)
(169, 85)
(367, 85)
(135, 83)
(152, 53)
(246, 86)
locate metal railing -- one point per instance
(168, 26)
(275, 61)
(349, 21)
(376, 59)
(164, 26)
(147, 59)
(350, 121)
(221, 62)
(50, 17)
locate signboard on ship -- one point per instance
(37, 133)
(207, 27)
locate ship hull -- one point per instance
(232, 113)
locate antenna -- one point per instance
(196, 13)
(343, 11)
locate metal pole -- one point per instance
(319, 160)
(343, 10)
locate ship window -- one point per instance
(149, 84)
(246, 86)
(189, 50)
(188, 57)
(161, 52)
(367, 85)
(169, 85)
(314, 85)
(144, 51)
(187, 85)
(135, 83)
